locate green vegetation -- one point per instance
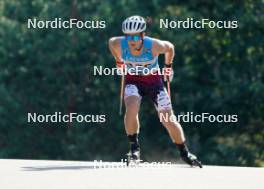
(219, 71)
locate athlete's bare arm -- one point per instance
(114, 46)
(163, 47)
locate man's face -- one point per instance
(135, 40)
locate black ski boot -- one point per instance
(188, 157)
(134, 154)
(191, 159)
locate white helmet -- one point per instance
(134, 24)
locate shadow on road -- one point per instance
(101, 165)
(50, 168)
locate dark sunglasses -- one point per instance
(133, 37)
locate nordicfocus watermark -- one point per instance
(137, 70)
(59, 23)
(122, 164)
(190, 117)
(58, 117)
(191, 23)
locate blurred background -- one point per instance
(219, 71)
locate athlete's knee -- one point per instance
(167, 118)
(132, 105)
(165, 115)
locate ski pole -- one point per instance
(168, 87)
(121, 93)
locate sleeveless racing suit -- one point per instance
(144, 79)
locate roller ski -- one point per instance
(133, 157)
(188, 157)
(191, 160)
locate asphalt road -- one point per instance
(41, 174)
